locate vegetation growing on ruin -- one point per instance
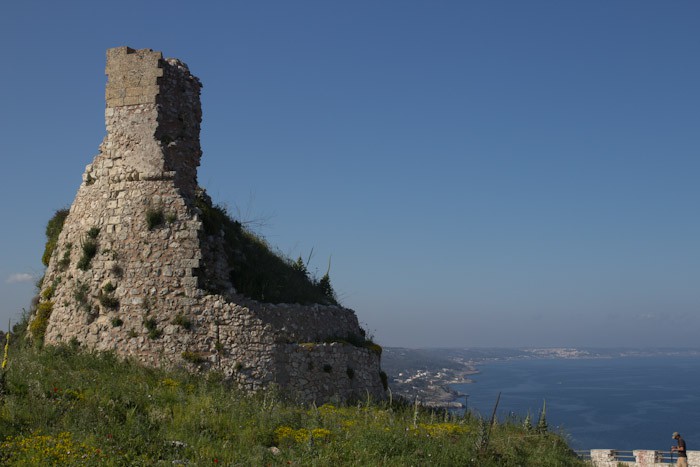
(259, 272)
(358, 341)
(151, 326)
(64, 262)
(155, 217)
(116, 322)
(108, 301)
(48, 292)
(106, 296)
(53, 230)
(182, 321)
(81, 295)
(41, 321)
(65, 407)
(193, 357)
(89, 248)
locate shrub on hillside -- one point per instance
(53, 230)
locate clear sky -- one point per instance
(482, 173)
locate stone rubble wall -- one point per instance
(141, 295)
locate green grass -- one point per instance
(63, 406)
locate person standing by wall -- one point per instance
(680, 449)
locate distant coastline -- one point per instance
(427, 375)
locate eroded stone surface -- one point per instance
(141, 294)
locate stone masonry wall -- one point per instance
(140, 294)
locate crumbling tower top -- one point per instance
(153, 117)
(133, 76)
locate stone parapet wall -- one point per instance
(642, 458)
(140, 291)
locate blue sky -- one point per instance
(482, 173)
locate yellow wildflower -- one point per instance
(7, 351)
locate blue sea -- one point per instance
(617, 403)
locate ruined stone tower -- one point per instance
(135, 269)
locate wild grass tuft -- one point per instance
(155, 217)
(193, 357)
(182, 321)
(152, 327)
(64, 262)
(89, 248)
(81, 293)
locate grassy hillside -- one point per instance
(64, 406)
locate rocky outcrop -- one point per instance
(132, 267)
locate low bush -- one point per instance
(38, 325)
(108, 301)
(117, 270)
(182, 321)
(193, 357)
(53, 230)
(48, 292)
(89, 248)
(64, 262)
(117, 322)
(152, 327)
